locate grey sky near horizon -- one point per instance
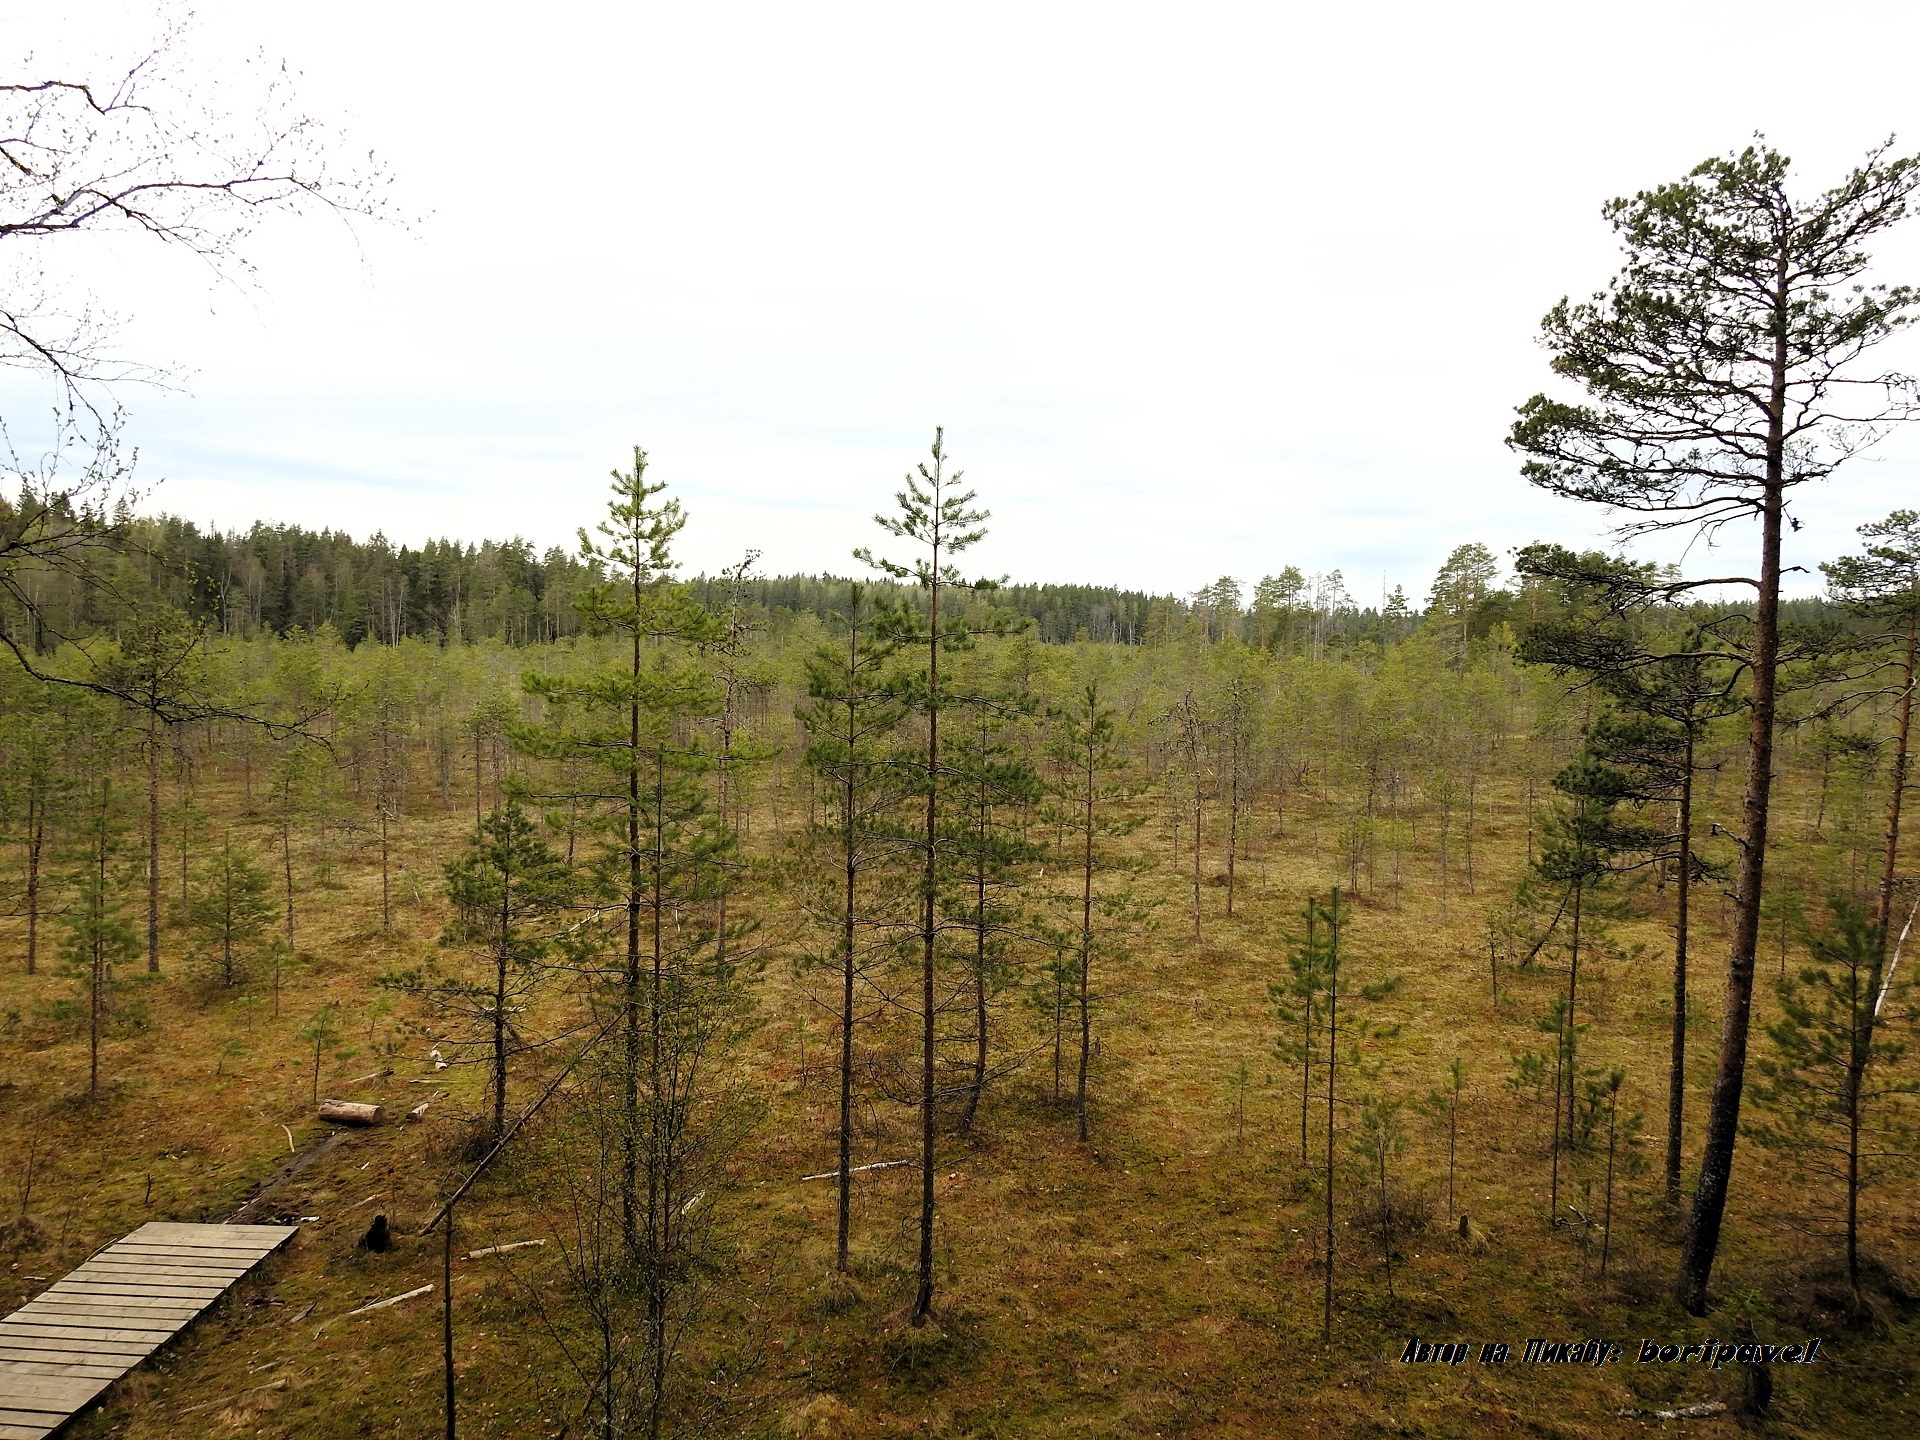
(1195, 290)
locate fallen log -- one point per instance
(1701, 1411)
(503, 1249)
(419, 1112)
(390, 1300)
(349, 1112)
(876, 1165)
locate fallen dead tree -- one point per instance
(876, 1165)
(390, 1300)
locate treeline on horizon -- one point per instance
(280, 579)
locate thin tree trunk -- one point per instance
(1473, 780)
(1559, 1079)
(1233, 823)
(979, 971)
(446, 1317)
(1855, 1074)
(286, 862)
(36, 838)
(660, 1176)
(1386, 1225)
(1306, 1027)
(1453, 1126)
(630, 980)
(97, 963)
(153, 842)
(848, 804)
(1086, 931)
(386, 881)
(1573, 1002)
(1333, 1045)
(1899, 782)
(1606, 1233)
(500, 957)
(1677, 1063)
(923, 1297)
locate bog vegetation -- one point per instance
(904, 1002)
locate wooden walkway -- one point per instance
(69, 1343)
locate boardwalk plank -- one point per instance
(63, 1348)
(218, 1274)
(80, 1304)
(159, 1289)
(67, 1330)
(27, 1425)
(217, 1254)
(66, 1369)
(16, 1389)
(87, 1352)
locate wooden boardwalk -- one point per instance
(69, 1343)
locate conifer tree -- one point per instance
(98, 937)
(1089, 794)
(158, 669)
(38, 730)
(936, 519)
(1883, 585)
(987, 776)
(1718, 369)
(229, 914)
(506, 889)
(1356, 1031)
(852, 719)
(636, 731)
(1298, 1004)
(1833, 1092)
(1443, 1104)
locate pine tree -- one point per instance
(229, 914)
(98, 936)
(1358, 1031)
(1883, 585)
(1711, 364)
(989, 783)
(636, 732)
(1088, 796)
(936, 518)
(506, 888)
(852, 721)
(1832, 1087)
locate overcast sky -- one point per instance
(1195, 289)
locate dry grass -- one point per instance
(1162, 1281)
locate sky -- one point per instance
(1195, 290)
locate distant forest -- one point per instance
(283, 578)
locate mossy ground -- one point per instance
(1161, 1281)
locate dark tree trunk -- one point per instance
(153, 842)
(1677, 1063)
(1723, 1116)
(923, 1296)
